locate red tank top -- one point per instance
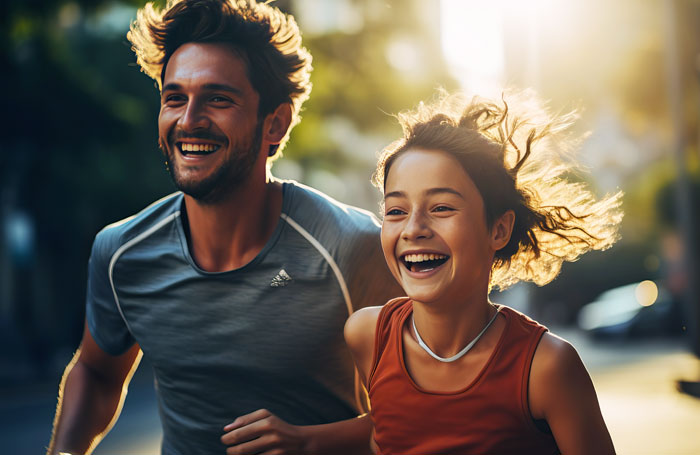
(490, 416)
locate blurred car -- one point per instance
(644, 308)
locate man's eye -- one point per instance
(174, 98)
(443, 208)
(220, 99)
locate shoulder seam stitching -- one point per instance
(343, 287)
(126, 246)
(326, 255)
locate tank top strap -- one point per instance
(399, 306)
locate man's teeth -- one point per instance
(186, 147)
(423, 257)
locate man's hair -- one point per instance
(268, 41)
(519, 163)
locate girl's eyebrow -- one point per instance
(430, 192)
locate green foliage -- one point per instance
(83, 126)
(80, 149)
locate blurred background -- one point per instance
(80, 152)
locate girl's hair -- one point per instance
(268, 40)
(518, 161)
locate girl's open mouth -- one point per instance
(423, 262)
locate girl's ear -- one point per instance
(502, 229)
(277, 123)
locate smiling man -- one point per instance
(236, 287)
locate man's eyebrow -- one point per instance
(430, 192)
(222, 88)
(171, 86)
(214, 87)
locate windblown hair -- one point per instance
(521, 162)
(268, 41)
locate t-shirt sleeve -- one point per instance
(104, 319)
(370, 283)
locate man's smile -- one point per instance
(188, 148)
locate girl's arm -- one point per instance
(261, 430)
(359, 336)
(561, 392)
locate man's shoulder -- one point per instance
(310, 207)
(160, 212)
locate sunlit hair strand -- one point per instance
(519, 158)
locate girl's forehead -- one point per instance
(418, 168)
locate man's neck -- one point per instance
(229, 234)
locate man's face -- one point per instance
(208, 124)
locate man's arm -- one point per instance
(90, 396)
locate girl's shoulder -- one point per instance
(562, 392)
(360, 322)
(361, 332)
(554, 350)
(361, 326)
(556, 368)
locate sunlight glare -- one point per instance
(472, 41)
(475, 35)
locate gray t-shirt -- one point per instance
(267, 335)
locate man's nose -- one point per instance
(194, 117)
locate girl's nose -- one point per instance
(416, 227)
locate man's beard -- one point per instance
(226, 177)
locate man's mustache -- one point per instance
(177, 135)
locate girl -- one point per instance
(476, 198)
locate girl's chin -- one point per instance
(426, 296)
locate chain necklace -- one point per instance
(461, 353)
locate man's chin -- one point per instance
(201, 190)
(204, 194)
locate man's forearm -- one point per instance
(350, 437)
(87, 407)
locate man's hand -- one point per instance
(262, 432)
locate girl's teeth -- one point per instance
(423, 257)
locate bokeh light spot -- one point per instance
(646, 293)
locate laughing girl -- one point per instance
(477, 197)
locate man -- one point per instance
(238, 286)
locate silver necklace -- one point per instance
(461, 353)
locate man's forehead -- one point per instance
(206, 63)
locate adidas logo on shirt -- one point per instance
(281, 279)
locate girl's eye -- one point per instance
(443, 208)
(394, 212)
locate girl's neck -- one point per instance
(448, 328)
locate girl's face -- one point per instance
(434, 233)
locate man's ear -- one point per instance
(502, 230)
(277, 124)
